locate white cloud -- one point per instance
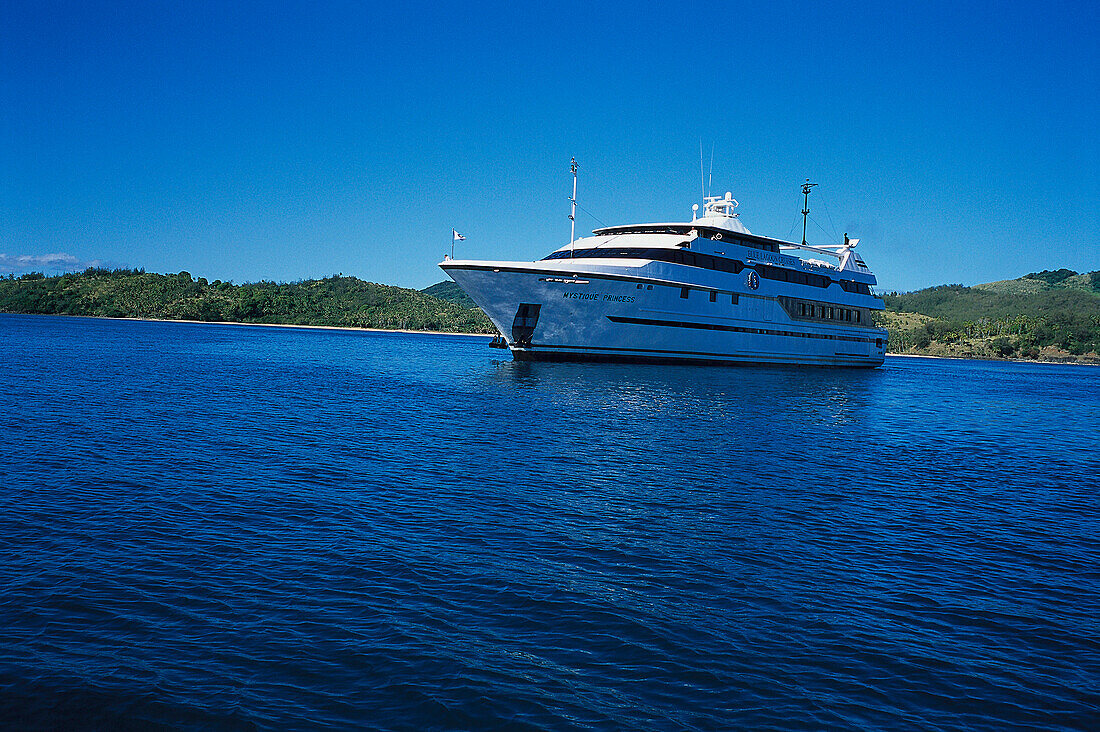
(59, 262)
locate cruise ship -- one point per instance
(703, 291)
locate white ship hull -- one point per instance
(639, 314)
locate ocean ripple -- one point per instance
(246, 528)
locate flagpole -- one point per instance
(453, 232)
(573, 212)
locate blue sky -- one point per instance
(283, 141)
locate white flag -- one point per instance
(458, 237)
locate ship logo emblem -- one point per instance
(752, 279)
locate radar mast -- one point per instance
(806, 206)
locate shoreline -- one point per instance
(296, 325)
(994, 360)
(489, 335)
(266, 325)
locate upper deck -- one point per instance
(718, 240)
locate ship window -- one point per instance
(714, 296)
(719, 264)
(857, 287)
(830, 314)
(649, 287)
(684, 292)
(639, 286)
(857, 316)
(733, 298)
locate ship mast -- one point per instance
(806, 206)
(573, 212)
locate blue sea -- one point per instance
(230, 527)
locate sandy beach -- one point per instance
(294, 325)
(996, 360)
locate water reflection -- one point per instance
(701, 395)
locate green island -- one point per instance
(333, 301)
(1049, 315)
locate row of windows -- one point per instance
(786, 275)
(720, 264)
(673, 256)
(726, 237)
(804, 278)
(685, 292)
(704, 232)
(739, 329)
(828, 312)
(860, 287)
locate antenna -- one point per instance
(702, 187)
(573, 212)
(710, 176)
(806, 206)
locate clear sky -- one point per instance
(245, 141)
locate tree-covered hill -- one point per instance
(1040, 315)
(450, 291)
(337, 301)
(1049, 315)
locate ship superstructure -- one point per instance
(703, 291)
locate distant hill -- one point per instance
(1046, 280)
(450, 291)
(1049, 314)
(338, 301)
(1052, 315)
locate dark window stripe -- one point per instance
(708, 261)
(705, 232)
(731, 357)
(733, 329)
